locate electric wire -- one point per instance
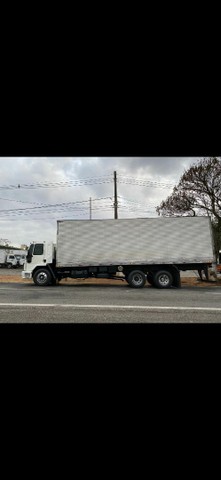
(60, 184)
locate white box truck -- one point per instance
(12, 258)
(20, 256)
(3, 255)
(148, 249)
(8, 259)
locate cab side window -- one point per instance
(38, 250)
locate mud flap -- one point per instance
(176, 277)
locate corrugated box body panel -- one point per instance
(134, 241)
(2, 256)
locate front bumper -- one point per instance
(25, 274)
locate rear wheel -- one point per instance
(136, 279)
(42, 277)
(163, 279)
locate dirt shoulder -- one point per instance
(187, 281)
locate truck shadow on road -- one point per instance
(95, 286)
(80, 285)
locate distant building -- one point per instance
(24, 247)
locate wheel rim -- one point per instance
(137, 279)
(164, 280)
(42, 277)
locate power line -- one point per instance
(61, 184)
(53, 207)
(143, 179)
(102, 179)
(20, 201)
(146, 184)
(135, 202)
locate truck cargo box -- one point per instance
(3, 256)
(162, 240)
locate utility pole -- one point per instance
(90, 208)
(115, 196)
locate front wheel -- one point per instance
(42, 277)
(136, 279)
(163, 279)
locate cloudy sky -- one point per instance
(35, 192)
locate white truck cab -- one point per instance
(39, 254)
(11, 261)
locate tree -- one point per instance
(198, 193)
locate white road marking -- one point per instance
(214, 293)
(10, 288)
(110, 307)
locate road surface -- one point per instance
(27, 303)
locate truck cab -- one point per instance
(11, 261)
(20, 259)
(39, 255)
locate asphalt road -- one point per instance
(27, 303)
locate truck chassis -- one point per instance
(160, 276)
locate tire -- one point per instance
(136, 279)
(42, 277)
(9, 265)
(163, 279)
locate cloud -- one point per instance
(40, 224)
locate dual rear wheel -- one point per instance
(136, 279)
(160, 279)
